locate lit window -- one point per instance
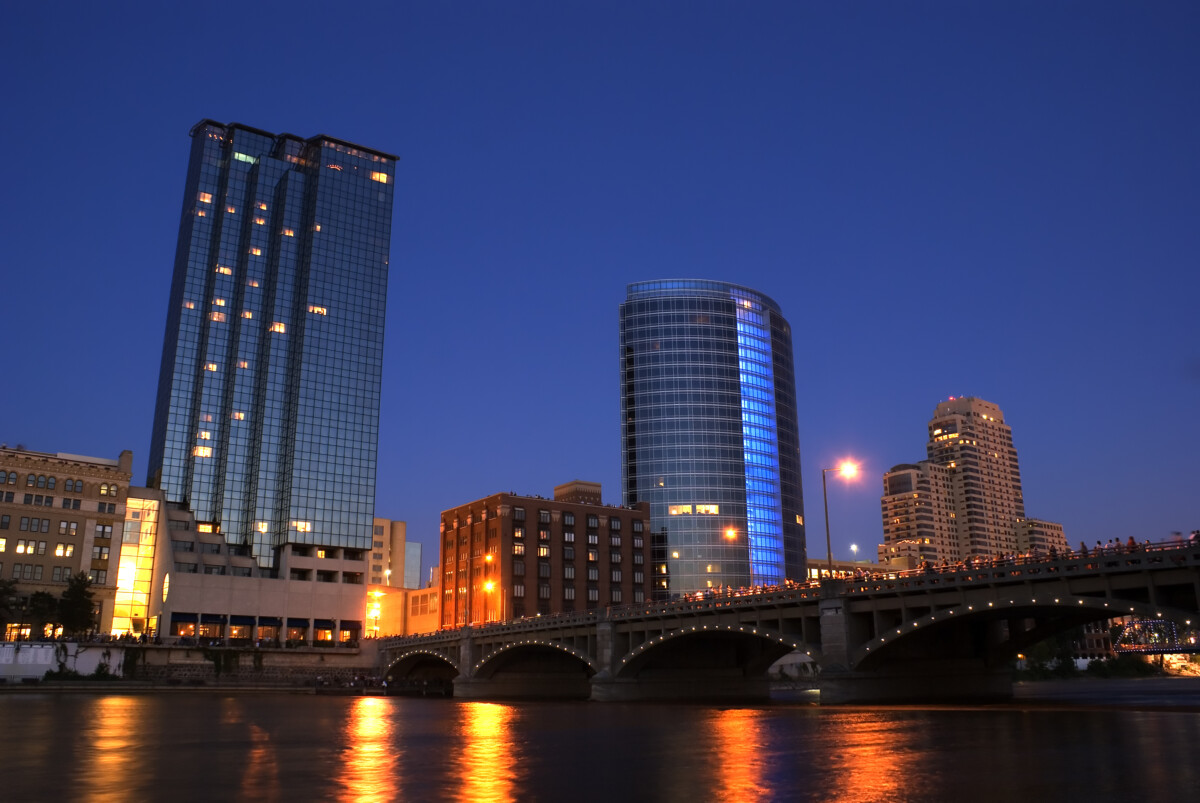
(259, 221)
(317, 310)
(207, 418)
(278, 327)
(289, 233)
(217, 316)
(202, 451)
(189, 305)
(247, 313)
(252, 282)
(302, 526)
(224, 270)
(239, 416)
(710, 510)
(382, 178)
(262, 206)
(220, 302)
(230, 209)
(204, 435)
(256, 251)
(679, 510)
(210, 366)
(241, 157)
(317, 227)
(335, 167)
(243, 363)
(201, 213)
(261, 526)
(204, 528)
(205, 197)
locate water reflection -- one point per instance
(489, 758)
(870, 757)
(370, 755)
(261, 779)
(739, 751)
(112, 757)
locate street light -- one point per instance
(847, 470)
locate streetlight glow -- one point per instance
(731, 533)
(847, 470)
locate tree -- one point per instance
(41, 610)
(8, 604)
(77, 610)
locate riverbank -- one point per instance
(1155, 692)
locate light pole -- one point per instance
(854, 550)
(847, 470)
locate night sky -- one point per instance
(985, 199)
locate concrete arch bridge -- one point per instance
(916, 636)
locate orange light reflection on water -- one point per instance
(113, 758)
(872, 758)
(370, 759)
(489, 757)
(741, 772)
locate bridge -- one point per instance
(949, 635)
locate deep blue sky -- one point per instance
(988, 199)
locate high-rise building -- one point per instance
(969, 437)
(709, 433)
(395, 561)
(508, 556)
(267, 419)
(965, 500)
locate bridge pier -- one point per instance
(930, 682)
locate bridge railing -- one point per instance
(1073, 563)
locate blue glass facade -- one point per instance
(267, 418)
(709, 433)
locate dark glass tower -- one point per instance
(267, 418)
(709, 433)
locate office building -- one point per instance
(507, 556)
(918, 516)
(709, 433)
(61, 514)
(267, 417)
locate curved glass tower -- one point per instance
(709, 433)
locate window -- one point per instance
(614, 557)
(568, 572)
(518, 590)
(64, 550)
(104, 531)
(278, 327)
(98, 576)
(46, 525)
(99, 553)
(518, 548)
(568, 537)
(593, 595)
(544, 534)
(543, 551)
(543, 517)
(614, 540)
(543, 591)
(382, 178)
(614, 525)
(518, 532)
(616, 595)
(638, 558)
(568, 519)
(568, 553)
(518, 569)
(569, 593)
(24, 523)
(593, 521)
(616, 575)
(50, 483)
(593, 573)
(57, 575)
(638, 578)
(638, 543)
(41, 481)
(315, 310)
(4, 522)
(518, 514)
(593, 555)
(186, 568)
(637, 525)
(543, 569)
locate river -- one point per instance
(1141, 744)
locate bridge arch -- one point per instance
(421, 669)
(753, 648)
(495, 661)
(1051, 613)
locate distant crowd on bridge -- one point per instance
(972, 563)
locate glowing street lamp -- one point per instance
(846, 470)
(854, 549)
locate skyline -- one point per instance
(945, 201)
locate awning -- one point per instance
(235, 619)
(212, 618)
(349, 624)
(270, 621)
(323, 624)
(183, 617)
(297, 623)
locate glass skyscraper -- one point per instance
(709, 433)
(267, 418)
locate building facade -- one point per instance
(61, 514)
(507, 556)
(395, 561)
(267, 417)
(709, 433)
(965, 500)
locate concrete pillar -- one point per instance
(835, 647)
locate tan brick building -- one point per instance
(509, 556)
(61, 514)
